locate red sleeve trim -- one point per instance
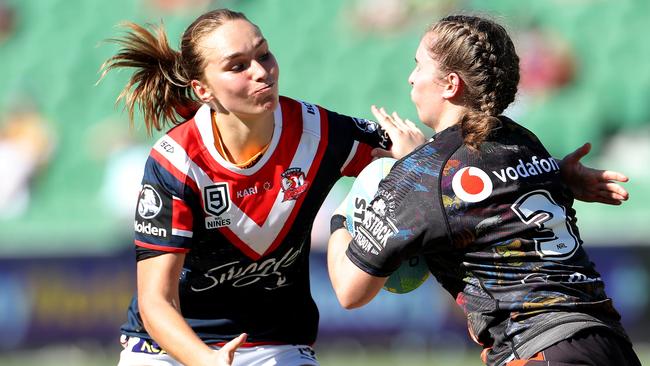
(162, 248)
(360, 160)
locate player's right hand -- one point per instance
(226, 354)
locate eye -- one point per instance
(265, 56)
(238, 67)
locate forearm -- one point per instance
(353, 287)
(168, 328)
(337, 245)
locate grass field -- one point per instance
(89, 356)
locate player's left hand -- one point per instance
(592, 185)
(404, 134)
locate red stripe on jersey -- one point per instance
(291, 111)
(182, 218)
(315, 166)
(174, 171)
(251, 344)
(257, 206)
(161, 248)
(360, 160)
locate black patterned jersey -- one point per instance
(246, 231)
(498, 231)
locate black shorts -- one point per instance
(593, 347)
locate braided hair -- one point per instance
(483, 55)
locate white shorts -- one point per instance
(142, 352)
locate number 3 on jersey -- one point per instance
(539, 209)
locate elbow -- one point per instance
(350, 299)
(349, 305)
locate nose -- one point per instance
(259, 71)
(411, 77)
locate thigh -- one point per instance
(595, 346)
(592, 347)
(272, 355)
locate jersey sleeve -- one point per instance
(163, 218)
(358, 136)
(402, 220)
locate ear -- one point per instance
(202, 91)
(453, 86)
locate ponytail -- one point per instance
(159, 85)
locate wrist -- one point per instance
(337, 222)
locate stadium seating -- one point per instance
(55, 53)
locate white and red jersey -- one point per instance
(246, 231)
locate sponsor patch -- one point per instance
(147, 228)
(366, 125)
(471, 184)
(216, 200)
(149, 202)
(375, 228)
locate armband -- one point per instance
(337, 222)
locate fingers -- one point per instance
(232, 346)
(578, 154)
(388, 121)
(616, 191)
(613, 176)
(380, 153)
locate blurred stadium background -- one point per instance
(71, 166)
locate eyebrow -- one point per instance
(231, 56)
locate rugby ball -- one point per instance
(413, 271)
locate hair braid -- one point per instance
(483, 54)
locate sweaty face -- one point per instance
(427, 83)
(241, 72)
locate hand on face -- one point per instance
(404, 134)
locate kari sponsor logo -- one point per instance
(247, 192)
(471, 184)
(148, 229)
(527, 169)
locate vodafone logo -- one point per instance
(471, 184)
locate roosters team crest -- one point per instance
(293, 183)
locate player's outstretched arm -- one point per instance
(404, 134)
(159, 307)
(592, 185)
(353, 287)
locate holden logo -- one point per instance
(471, 184)
(149, 204)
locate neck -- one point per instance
(449, 117)
(244, 138)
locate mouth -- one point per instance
(265, 89)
